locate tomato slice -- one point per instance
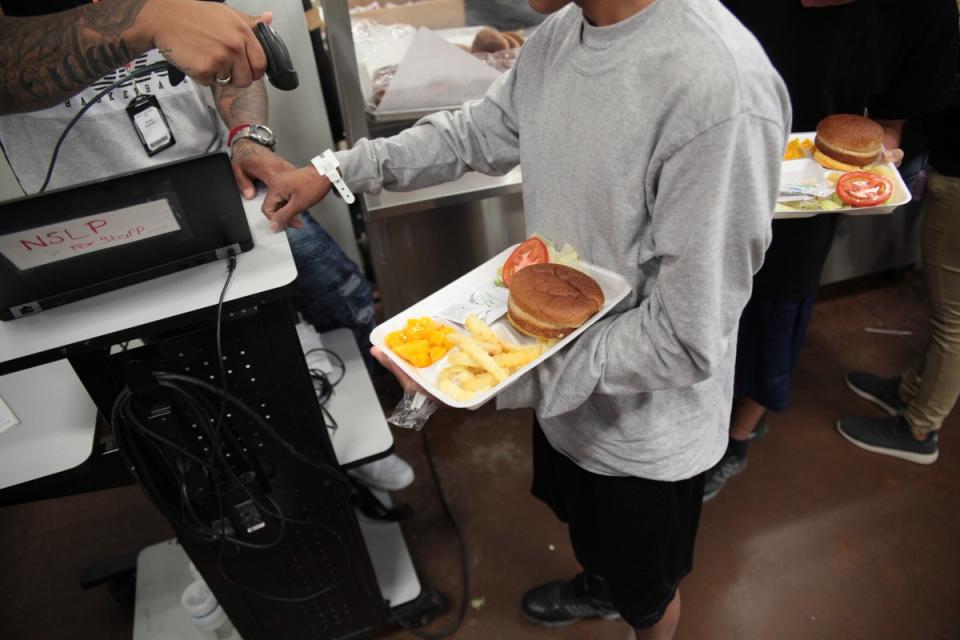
(863, 189)
(530, 251)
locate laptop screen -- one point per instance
(86, 234)
(76, 242)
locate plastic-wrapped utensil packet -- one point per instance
(413, 411)
(803, 191)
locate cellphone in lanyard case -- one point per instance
(150, 123)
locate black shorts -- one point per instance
(637, 534)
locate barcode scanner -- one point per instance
(280, 69)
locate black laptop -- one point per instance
(73, 243)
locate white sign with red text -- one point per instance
(44, 245)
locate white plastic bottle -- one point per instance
(206, 613)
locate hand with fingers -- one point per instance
(894, 156)
(253, 162)
(291, 192)
(409, 384)
(209, 42)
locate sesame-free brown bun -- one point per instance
(551, 300)
(849, 140)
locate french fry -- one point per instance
(484, 359)
(480, 330)
(516, 359)
(479, 382)
(448, 373)
(464, 377)
(461, 358)
(492, 348)
(455, 392)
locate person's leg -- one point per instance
(745, 417)
(565, 488)
(667, 627)
(770, 335)
(331, 291)
(910, 381)
(633, 536)
(935, 382)
(940, 380)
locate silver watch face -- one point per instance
(260, 134)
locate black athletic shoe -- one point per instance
(889, 436)
(730, 465)
(883, 392)
(563, 602)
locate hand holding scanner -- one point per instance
(280, 69)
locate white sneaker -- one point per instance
(387, 474)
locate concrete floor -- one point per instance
(817, 539)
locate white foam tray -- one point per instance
(792, 171)
(614, 286)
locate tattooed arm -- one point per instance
(46, 59)
(242, 106)
(251, 161)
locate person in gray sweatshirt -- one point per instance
(650, 133)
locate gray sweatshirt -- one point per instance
(653, 146)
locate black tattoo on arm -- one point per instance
(46, 59)
(167, 54)
(242, 106)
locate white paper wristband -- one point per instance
(328, 166)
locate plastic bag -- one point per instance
(413, 411)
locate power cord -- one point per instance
(464, 559)
(217, 469)
(168, 488)
(232, 259)
(324, 386)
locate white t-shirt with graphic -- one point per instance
(104, 143)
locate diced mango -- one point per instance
(421, 360)
(409, 349)
(421, 342)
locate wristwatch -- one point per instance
(259, 133)
(328, 166)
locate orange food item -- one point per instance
(421, 343)
(798, 149)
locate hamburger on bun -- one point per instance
(551, 300)
(846, 142)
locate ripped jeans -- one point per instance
(331, 291)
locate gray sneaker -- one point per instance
(730, 465)
(889, 436)
(883, 392)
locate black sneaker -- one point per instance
(889, 436)
(730, 465)
(883, 392)
(564, 602)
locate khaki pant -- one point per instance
(931, 386)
